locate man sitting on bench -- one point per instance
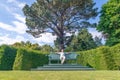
(62, 56)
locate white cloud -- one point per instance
(21, 5)
(7, 40)
(14, 9)
(6, 26)
(18, 27)
(46, 38)
(12, 6)
(19, 17)
(17, 3)
(94, 32)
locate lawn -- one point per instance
(59, 75)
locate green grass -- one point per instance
(59, 75)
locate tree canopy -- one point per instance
(109, 23)
(59, 17)
(35, 46)
(82, 41)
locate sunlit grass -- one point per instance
(59, 75)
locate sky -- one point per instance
(13, 28)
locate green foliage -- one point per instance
(102, 58)
(98, 41)
(115, 50)
(82, 41)
(27, 59)
(110, 22)
(7, 57)
(112, 41)
(93, 58)
(46, 48)
(59, 17)
(68, 42)
(27, 45)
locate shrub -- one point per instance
(115, 50)
(7, 57)
(92, 58)
(101, 58)
(27, 59)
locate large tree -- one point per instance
(109, 23)
(59, 17)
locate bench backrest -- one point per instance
(69, 56)
(54, 56)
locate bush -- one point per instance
(101, 58)
(7, 57)
(115, 50)
(27, 59)
(93, 58)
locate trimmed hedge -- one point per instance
(27, 59)
(7, 57)
(93, 58)
(102, 58)
(115, 50)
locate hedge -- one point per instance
(102, 58)
(93, 58)
(115, 50)
(27, 59)
(7, 57)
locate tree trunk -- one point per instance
(61, 43)
(61, 37)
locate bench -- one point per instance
(56, 57)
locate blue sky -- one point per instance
(12, 23)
